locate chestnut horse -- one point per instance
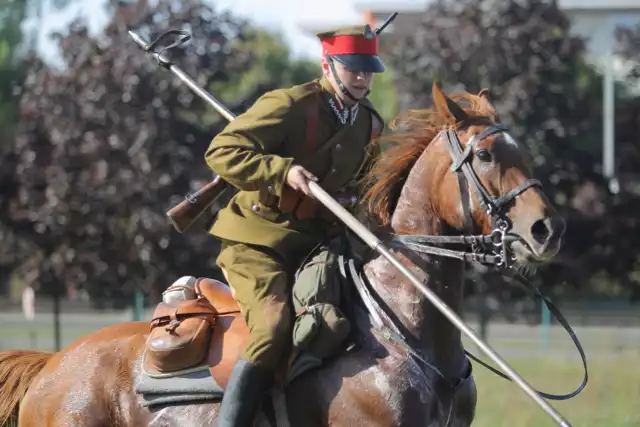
(451, 170)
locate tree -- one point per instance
(107, 145)
(550, 97)
(11, 17)
(628, 47)
(273, 67)
(16, 46)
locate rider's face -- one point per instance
(357, 83)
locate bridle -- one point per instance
(494, 206)
(493, 249)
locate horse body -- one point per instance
(90, 383)
(382, 381)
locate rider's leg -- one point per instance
(261, 285)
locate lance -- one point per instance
(208, 194)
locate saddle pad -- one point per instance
(194, 385)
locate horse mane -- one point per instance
(412, 132)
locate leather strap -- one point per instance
(291, 200)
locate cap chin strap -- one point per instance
(342, 87)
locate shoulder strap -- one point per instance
(377, 122)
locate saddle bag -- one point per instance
(181, 330)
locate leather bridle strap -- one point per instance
(565, 324)
(494, 206)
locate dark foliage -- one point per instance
(105, 146)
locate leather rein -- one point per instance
(493, 249)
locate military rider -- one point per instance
(315, 131)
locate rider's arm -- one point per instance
(243, 154)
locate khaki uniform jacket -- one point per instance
(255, 151)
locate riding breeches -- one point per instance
(261, 284)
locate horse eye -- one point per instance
(484, 155)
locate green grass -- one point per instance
(610, 399)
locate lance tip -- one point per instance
(136, 38)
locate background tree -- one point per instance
(12, 15)
(550, 97)
(107, 145)
(18, 43)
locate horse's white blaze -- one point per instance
(509, 139)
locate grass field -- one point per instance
(610, 399)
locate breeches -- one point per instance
(261, 284)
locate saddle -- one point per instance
(198, 323)
(198, 328)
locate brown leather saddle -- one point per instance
(194, 326)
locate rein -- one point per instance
(492, 249)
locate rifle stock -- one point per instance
(185, 213)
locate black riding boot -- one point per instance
(243, 395)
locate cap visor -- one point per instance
(365, 63)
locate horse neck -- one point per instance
(437, 337)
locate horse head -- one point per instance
(455, 169)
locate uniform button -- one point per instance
(333, 170)
(338, 146)
(271, 190)
(255, 207)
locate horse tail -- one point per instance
(18, 368)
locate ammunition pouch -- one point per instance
(304, 207)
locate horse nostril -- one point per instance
(559, 226)
(540, 230)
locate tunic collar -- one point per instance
(343, 113)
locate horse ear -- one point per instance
(446, 106)
(484, 94)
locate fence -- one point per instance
(603, 327)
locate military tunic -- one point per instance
(262, 245)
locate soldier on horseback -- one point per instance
(315, 131)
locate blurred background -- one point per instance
(97, 143)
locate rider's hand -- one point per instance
(298, 179)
